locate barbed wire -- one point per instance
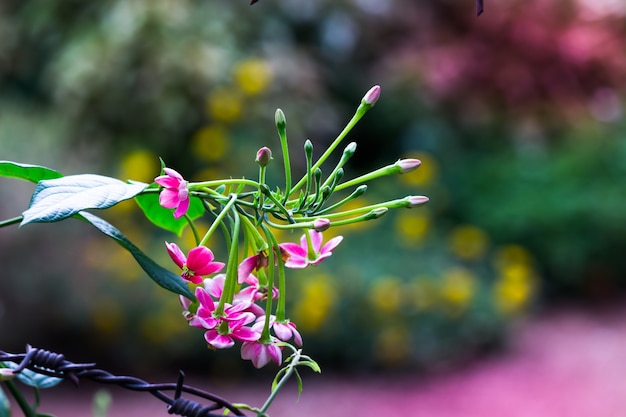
(55, 365)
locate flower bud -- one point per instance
(376, 213)
(279, 118)
(407, 165)
(6, 374)
(349, 150)
(319, 225)
(416, 200)
(263, 156)
(371, 97)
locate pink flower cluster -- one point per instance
(243, 320)
(240, 319)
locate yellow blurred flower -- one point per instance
(517, 279)
(317, 297)
(224, 105)
(393, 345)
(421, 293)
(386, 294)
(426, 174)
(513, 295)
(139, 165)
(412, 226)
(468, 242)
(210, 143)
(253, 76)
(512, 255)
(457, 289)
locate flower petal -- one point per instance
(218, 341)
(331, 244)
(176, 254)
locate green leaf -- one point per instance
(60, 198)
(163, 217)
(163, 277)
(5, 407)
(34, 379)
(34, 173)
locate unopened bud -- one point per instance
(416, 200)
(279, 117)
(320, 225)
(408, 165)
(371, 97)
(376, 213)
(349, 150)
(263, 156)
(6, 374)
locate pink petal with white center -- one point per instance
(218, 341)
(261, 354)
(169, 198)
(245, 334)
(215, 286)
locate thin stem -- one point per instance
(357, 116)
(282, 282)
(19, 398)
(265, 334)
(9, 222)
(231, 269)
(380, 172)
(218, 220)
(290, 370)
(216, 183)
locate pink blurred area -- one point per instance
(566, 364)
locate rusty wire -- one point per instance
(55, 365)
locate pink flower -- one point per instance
(250, 264)
(224, 335)
(285, 330)
(175, 193)
(199, 262)
(261, 353)
(300, 256)
(224, 329)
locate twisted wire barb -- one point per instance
(55, 365)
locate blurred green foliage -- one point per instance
(517, 117)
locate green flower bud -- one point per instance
(279, 117)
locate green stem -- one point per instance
(357, 116)
(380, 172)
(285, 148)
(400, 202)
(216, 183)
(218, 220)
(9, 222)
(230, 283)
(282, 282)
(19, 398)
(265, 334)
(290, 370)
(279, 206)
(194, 229)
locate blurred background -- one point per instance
(517, 117)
